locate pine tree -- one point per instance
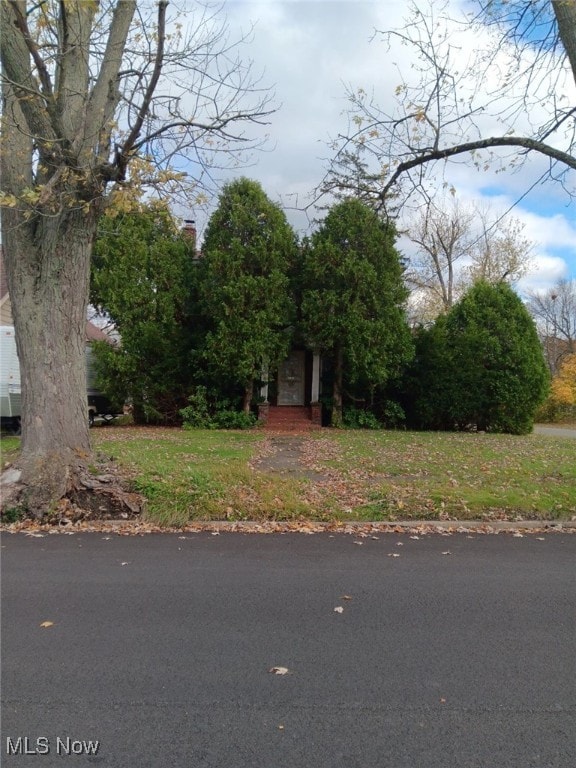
(248, 251)
(353, 298)
(143, 278)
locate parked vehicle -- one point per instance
(98, 405)
(10, 397)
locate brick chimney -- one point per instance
(189, 231)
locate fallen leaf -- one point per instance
(47, 624)
(279, 670)
(338, 609)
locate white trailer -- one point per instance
(10, 393)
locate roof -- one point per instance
(93, 333)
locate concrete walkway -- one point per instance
(550, 431)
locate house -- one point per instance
(291, 399)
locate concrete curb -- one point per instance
(353, 528)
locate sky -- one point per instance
(309, 52)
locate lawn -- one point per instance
(342, 475)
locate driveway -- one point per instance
(156, 651)
(545, 429)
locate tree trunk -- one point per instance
(248, 394)
(49, 289)
(565, 12)
(48, 285)
(337, 390)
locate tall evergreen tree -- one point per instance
(244, 286)
(142, 277)
(353, 298)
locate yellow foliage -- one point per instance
(563, 389)
(143, 175)
(8, 201)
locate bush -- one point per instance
(196, 415)
(425, 390)
(480, 367)
(232, 420)
(498, 375)
(356, 418)
(394, 415)
(199, 415)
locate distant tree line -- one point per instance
(200, 330)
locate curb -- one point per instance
(354, 528)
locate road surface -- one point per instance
(449, 651)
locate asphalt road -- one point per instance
(453, 651)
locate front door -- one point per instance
(291, 379)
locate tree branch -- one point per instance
(104, 98)
(215, 127)
(15, 56)
(145, 106)
(43, 74)
(532, 145)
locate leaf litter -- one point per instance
(415, 529)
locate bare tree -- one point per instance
(555, 313)
(457, 245)
(500, 252)
(91, 89)
(499, 102)
(442, 237)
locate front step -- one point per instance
(289, 418)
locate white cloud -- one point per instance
(546, 270)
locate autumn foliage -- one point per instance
(561, 403)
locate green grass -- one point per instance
(183, 474)
(464, 475)
(9, 447)
(360, 475)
